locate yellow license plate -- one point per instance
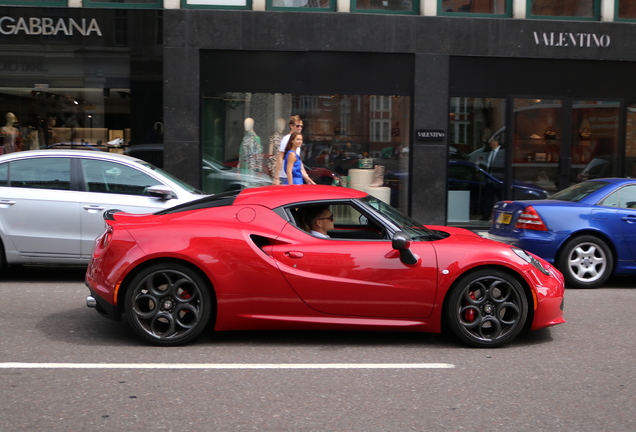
(504, 218)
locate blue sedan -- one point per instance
(588, 231)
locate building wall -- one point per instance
(433, 41)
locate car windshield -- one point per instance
(181, 183)
(403, 222)
(577, 192)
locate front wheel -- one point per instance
(168, 304)
(487, 308)
(585, 261)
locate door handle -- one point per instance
(93, 208)
(629, 219)
(6, 203)
(294, 254)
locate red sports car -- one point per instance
(245, 260)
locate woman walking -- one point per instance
(293, 165)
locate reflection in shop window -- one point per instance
(475, 180)
(626, 9)
(630, 142)
(301, 4)
(564, 8)
(221, 4)
(59, 117)
(345, 138)
(394, 6)
(594, 138)
(124, 3)
(381, 130)
(490, 7)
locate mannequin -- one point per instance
(274, 144)
(251, 152)
(10, 135)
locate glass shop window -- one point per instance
(626, 9)
(630, 142)
(124, 3)
(386, 6)
(501, 8)
(578, 9)
(303, 5)
(64, 118)
(357, 141)
(475, 171)
(595, 142)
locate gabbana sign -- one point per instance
(48, 26)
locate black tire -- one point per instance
(168, 304)
(585, 261)
(487, 308)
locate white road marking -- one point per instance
(16, 365)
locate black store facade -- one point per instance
(421, 95)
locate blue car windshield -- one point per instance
(403, 222)
(577, 192)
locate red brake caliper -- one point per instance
(470, 313)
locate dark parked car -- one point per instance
(606, 166)
(465, 175)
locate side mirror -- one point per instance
(161, 192)
(402, 243)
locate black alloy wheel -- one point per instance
(487, 308)
(168, 304)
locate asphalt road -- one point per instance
(579, 376)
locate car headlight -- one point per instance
(530, 259)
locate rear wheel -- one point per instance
(168, 304)
(585, 261)
(487, 308)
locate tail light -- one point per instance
(529, 219)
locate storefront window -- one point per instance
(308, 5)
(537, 140)
(41, 3)
(82, 83)
(59, 117)
(626, 9)
(216, 4)
(472, 7)
(594, 147)
(475, 171)
(630, 142)
(124, 3)
(384, 6)
(564, 8)
(349, 140)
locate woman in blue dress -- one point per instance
(293, 165)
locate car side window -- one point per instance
(625, 198)
(349, 223)
(4, 174)
(113, 177)
(41, 173)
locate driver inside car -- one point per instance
(319, 220)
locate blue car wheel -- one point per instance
(585, 261)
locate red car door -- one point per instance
(357, 277)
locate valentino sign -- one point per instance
(564, 39)
(48, 26)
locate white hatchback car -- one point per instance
(52, 201)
